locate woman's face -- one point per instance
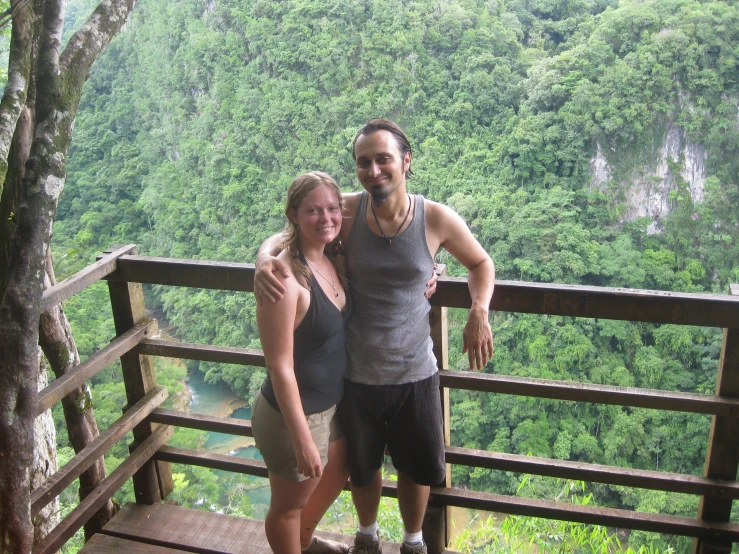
(319, 216)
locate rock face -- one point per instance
(647, 190)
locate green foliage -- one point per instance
(200, 114)
(523, 533)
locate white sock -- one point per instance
(370, 530)
(412, 538)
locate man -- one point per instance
(391, 396)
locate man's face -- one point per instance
(380, 166)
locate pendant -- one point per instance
(389, 242)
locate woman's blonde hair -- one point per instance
(301, 187)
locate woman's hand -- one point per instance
(309, 459)
(267, 286)
(431, 283)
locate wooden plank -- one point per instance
(203, 422)
(103, 492)
(485, 382)
(214, 461)
(588, 392)
(202, 274)
(437, 521)
(674, 482)
(96, 449)
(655, 480)
(195, 530)
(610, 517)
(84, 278)
(722, 455)
(154, 481)
(202, 352)
(199, 531)
(93, 365)
(106, 544)
(711, 310)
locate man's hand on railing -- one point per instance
(267, 286)
(478, 339)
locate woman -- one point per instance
(303, 341)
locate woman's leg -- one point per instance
(282, 524)
(334, 477)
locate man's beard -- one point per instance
(379, 197)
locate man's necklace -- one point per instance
(390, 239)
(331, 282)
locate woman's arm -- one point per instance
(276, 322)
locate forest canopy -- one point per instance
(199, 115)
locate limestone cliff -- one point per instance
(647, 187)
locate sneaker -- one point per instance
(418, 548)
(324, 546)
(365, 544)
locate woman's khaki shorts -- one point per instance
(275, 444)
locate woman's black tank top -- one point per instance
(319, 354)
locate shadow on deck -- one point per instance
(164, 529)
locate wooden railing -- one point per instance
(148, 464)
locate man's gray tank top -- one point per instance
(387, 337)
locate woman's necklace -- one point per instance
(390, 239)
(331, 282)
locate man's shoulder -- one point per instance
(437, 212)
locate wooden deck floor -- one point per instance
(166, 529)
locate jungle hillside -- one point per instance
(591, 142)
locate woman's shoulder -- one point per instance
(289, 261)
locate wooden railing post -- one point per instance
(722, 455)
(153, 481)
(437, 522)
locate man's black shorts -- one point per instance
(407, 418)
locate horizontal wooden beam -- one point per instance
(96, 449)
(84, 278)
(202, 352)
(211, 460)
(493, 502)
(103, 492)
(201, 274)
(203, 422)
(485, 382)
(712, 310)
(592, 515)
(655, 480)
(93, 365)
(589, 392)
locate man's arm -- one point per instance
(448, 230)
(267, 285)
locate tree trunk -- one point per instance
(44, 463)
(20, 62)
(55, 338)
(58, 91)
